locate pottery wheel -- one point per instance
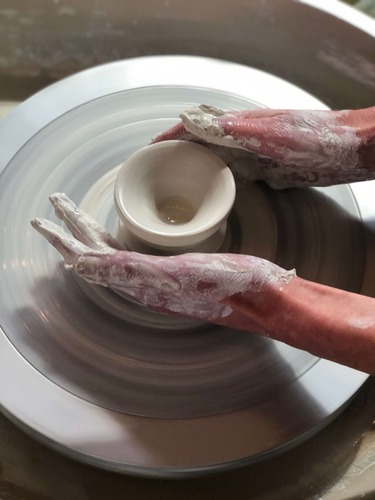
(102, 378)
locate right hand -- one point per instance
(286, 148)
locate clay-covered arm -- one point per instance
(239, 291)
(286, 148)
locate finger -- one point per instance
(82, 226)
(176, 133)
(256, 131)
(180, 132)
(69, 247)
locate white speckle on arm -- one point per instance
(363, 322)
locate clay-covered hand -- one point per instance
(286, 148)
(239, 291)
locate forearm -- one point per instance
(324, 321)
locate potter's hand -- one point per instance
(286, 148)
(239, 291)
(190, 285)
